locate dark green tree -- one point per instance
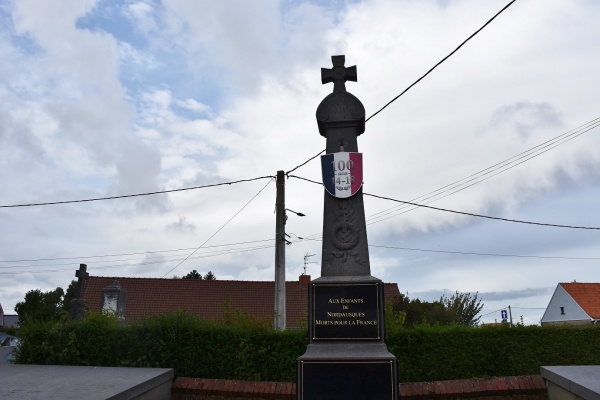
(210, 276)
(40, 306)
(419, 312)
(197, 275)
(464, 307)
(461, 308)
(193, 275)
(70, 294)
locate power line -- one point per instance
(443, 59)
(490, 172)
(218, 230)
(304, 163)
(158, 259)
(483, 216)
(205, 255)
(482, 254)
(137, 194)
(132, 254)
(463, 213)
(468, 253)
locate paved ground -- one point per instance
(29, 382)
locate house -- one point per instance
(8, 321)
(133, 298)
(573, 303)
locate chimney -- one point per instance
(304, 280)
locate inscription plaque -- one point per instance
(352, 380)
(346, 311)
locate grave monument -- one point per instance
(77, 306)
(346, 357)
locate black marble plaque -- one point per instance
(351, 380)
(346, 311)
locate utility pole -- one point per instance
(510, 316)
(280, 252)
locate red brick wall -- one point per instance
(507, 388)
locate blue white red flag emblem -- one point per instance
(342, 173)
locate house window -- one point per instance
(562, 311)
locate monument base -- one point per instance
(348, 371)
(347, 358)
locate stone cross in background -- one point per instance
(77, 306)
(82, 275)
(346, 357)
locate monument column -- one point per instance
(346, 357)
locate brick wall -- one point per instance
(506, 388)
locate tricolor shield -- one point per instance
(342, 173)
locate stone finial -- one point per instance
(340, 108)
(338, 74)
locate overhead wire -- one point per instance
(468, 253)
(218, 230)
(304, 163)
(49, 203)
(484, 216)
(158, 258)
(464, 213)
(155, 262)
(132, 254)
(443, 59)
(488, 172)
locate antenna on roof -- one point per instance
(306, 257)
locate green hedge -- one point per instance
(197, 348)
(436, 353)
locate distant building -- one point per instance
(7, 342)
(134, 298)
(8, 321)
(573, 303)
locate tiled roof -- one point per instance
(151, 296)
(587, 295)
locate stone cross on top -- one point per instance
(82, 275)
(338, 74)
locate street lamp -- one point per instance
(297, 213)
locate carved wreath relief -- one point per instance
(345, 235)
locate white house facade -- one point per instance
(573, 303)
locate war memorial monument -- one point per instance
(346, 357)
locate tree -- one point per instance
(461, 308)
(421, 312)
(38, 306)
(70, 294)
(193, 275)
(197, 275)
(210, 276)
(464, 307)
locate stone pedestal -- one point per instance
(347, 357)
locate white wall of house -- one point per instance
(562, 308)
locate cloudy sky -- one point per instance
(111, 98)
